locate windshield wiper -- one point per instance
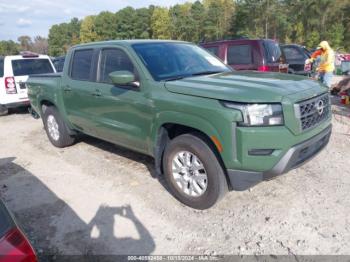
(207, 73)
(195, 74)
(174, 78)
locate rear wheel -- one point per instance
(3, 110)
(193, 172)
(56, 129)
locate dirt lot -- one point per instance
(97, 198)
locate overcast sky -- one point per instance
(35, 17)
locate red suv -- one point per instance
(250, 54)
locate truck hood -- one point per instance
(244, 86)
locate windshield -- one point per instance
(31, 67)
(170, 61)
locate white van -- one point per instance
(14, 72)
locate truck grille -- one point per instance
(313, 111)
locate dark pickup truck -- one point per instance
(209, 128)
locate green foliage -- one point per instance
(63, 36)
(304, 22)
(88, 30)
(8, 48)
(161, 23)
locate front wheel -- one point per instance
(193, 172)
(56, 129)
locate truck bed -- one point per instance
(45, 86)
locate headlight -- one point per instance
(259, 114)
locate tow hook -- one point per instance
(34, 114)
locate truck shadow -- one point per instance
(121, 151)
(19, 111)
(56, 230)
(147, 161)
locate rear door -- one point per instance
(23, 67)
(79, 90)
(123, 111)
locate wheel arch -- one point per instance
(167, 130)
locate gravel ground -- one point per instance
(97, 198)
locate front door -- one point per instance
(123, 113)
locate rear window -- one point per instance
(213, 49)
(23, 67)
(6, 222)
(82, 63)
(273, 51)
(239, 55)
(1, 67)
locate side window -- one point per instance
(114, 60)
(81, 65)
(213, 49)
(1, 67)
(239, 55)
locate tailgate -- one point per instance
(21, 87)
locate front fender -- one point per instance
(221, 128)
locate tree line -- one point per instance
(25, 43)
(305, 22)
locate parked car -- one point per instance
(14, 72)
(58, 62)
(250, 54)
(14, 246)
(295, 57)
(208, 128)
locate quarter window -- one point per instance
(82, 63)
(114, 60)
(239, 55)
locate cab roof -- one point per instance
(127, 42)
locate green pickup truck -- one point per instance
(209, 129)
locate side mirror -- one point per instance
(122, 77)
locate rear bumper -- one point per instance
(294, 157)
(17, 104)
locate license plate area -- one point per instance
(22, 85)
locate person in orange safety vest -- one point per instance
(326, 66)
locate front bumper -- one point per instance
(294, 157)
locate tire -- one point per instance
(3, 110)
(216, 185)
(60, 137)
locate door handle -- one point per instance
(97, 93)
(67, 88)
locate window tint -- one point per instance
(23, 67)
(273, 51)
(113, 60)
(239, 55)
(292, 53)
(81, 66)
(1, 67)
(213, 49)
